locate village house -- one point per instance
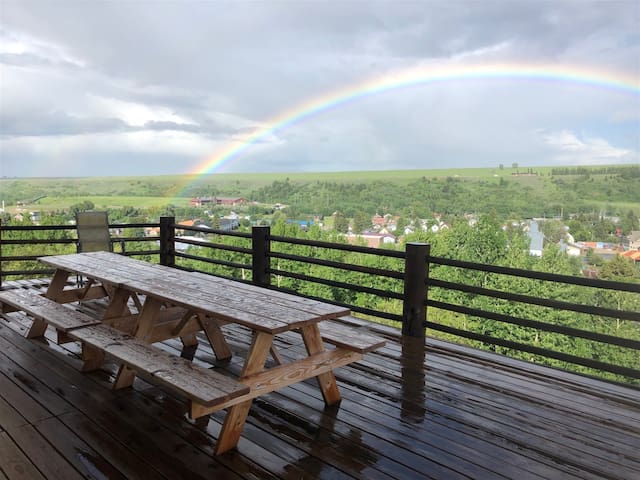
(371, 239)
(224, 201)
(536, 237)
(632, 242)
(229, 201)
(632, 255)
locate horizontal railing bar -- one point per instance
(133, 239)
(139, 253)
(134, 225)
(219, 246)
(343, 266)
(367, 311)
(338, 246)
(543, 302)
(26, 228)
(190, 269)
(16, 258)
(14, 273)
(333, 283)
(213, 261)
(394, 317)
(543, 326)
(565, 357)
(550, 277)
(59, 241)
(209, 230)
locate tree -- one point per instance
(361, 222)
(340, 223)
(630, 222)
(553, 230)
(619, 268)
(593, 258)
(215, 222)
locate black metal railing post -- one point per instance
(261, 246)
(1, 262)
(414, 309)
(168, 241)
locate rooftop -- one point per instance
(434, 411)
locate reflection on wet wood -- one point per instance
(408, 410)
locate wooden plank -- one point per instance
(385, 431)
(459, 425)
(262, 294)
(88, 461)
(216, 338)
(237, 414)
(202, 385)
(15, 463)
(59, 316)
(396, 396)
(43, 454)
(326, 380)
(348, 337)
(25, 392)
(113, 450)
(9, 416)
(284, 375)
(163, 440)
(176, 287)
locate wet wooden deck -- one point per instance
(448, 413)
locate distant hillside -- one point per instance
(522, 191)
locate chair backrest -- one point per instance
(93, 232)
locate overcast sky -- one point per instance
(157, 87)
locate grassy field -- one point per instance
(102, 202)
(158, 191)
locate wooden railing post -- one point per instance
(261, 246)
(167, 241)
(416, 270)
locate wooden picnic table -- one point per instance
(173, 303)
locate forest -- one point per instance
(568, 196)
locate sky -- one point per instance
(154, 87)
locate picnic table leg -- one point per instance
(92, 358)
(216, 337)
(117, 305)
(326, 381)
(57, 284)
(237, 414)
(150, 309)
(59, 280)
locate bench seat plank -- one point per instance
(350, 338)
(42, 308)
(202, 385)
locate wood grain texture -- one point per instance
(45, 311)
(431, 411)
(351, 338)
(199, 384)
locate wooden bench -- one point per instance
(44, 311)
(203, 387)
(350, 338)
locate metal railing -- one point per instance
(419, 291)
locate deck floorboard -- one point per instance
(440, 412)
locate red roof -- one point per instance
(632, 254)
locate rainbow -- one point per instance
(412, 77)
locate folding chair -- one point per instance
(93, 232)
